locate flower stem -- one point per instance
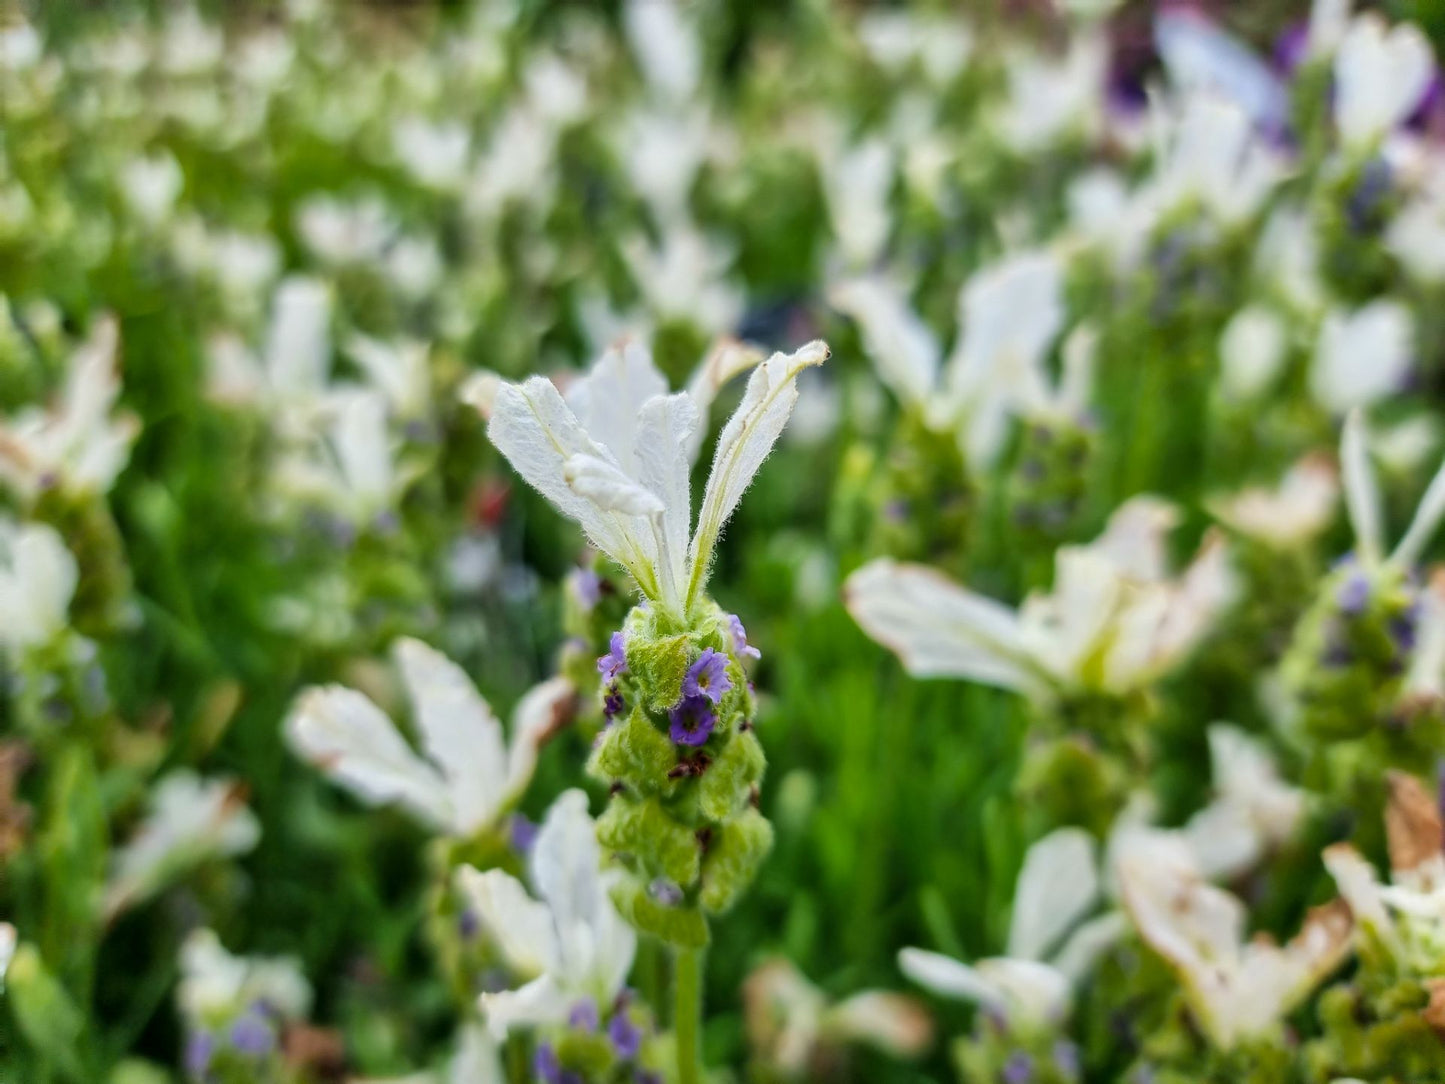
(687, 1014)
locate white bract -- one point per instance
(614, 457)
(8, 938)
(38, 576)
(80, 443)
(1009, 316)
(1050, 947)
(216, 984)
(1289, 515)
(1237, 989)
(568, 942)
(468, 777)
(190, 820)
(1253, 811)
(1251, 352)
(790, 1021)
(1381, 73)
(1114, 622)
(1362, 356)
(1366, 508)
(1406, 916)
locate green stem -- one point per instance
(687, 1014)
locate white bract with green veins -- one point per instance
(623, 476)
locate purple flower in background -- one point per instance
(1353, 595)
(584, 1015)
(545, 1066)
(741, 648)
(624, 1034)
(252, 1035)
(522, 833)
(707, 677)
(1066, 1058)
(199, 1049)
(614, 662)
(587, 587)
(1019, 1069)
(692, 720)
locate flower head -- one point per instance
(692, 720)
(707, 677)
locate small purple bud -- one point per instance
(200, 1046)
(741, 648)
(692, 721)
(583, 1016)
(521, 833)
(545, 1066)
(707, 677)
(625, 1036)
(1353, 595)
(1018, 1069)
(252, 1035)
(614, 662)
(468, 924)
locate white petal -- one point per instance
(603, 484)
(1380, 75)
(477, 1059)
(1422, 527)
(894, 1023)
(538, 715)
(298, 345)
(1362, 496)
(947, 977)
(1058, 885)
(608, 398)
(350, 739)
(1086, 944)
(939, 629)
(1363, 356)
(537, 1004)
(458, 731)
(521, 926)
(745, 442)
(901, 346)
(726, 360)
(665, 427)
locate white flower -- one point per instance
(1051, 98)
(399, 370)
(1288, 259)
(214, 983)
(1050, 948)
(1362, 356)
(896, 38)
(789, 1020)
(1381, 73)
(8, 939)
(151, 185)
(685, 277)
(1199, 55)
(339, 232)
(1408, 915)
(291, 372)
(1236, 988)
(570, 944)
(663, 149)
(1114, 622)
(80, 444)
(468, 777)
(1363, 502)
(1210, 154)
(622, 473)
(38, 576)
(1417, 234)
(190, 821)
(435, 154)
(1291, 514)
(1253, 811)
(665, 42)
(1251, 352)
(857, 184)
(903, 349)
(1329, 21)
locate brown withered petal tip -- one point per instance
(1412, 822)
(1434, 1012)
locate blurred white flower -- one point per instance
(80, 443)
(151, 185)
(435, 154)
(1051, 948)
(1114, 621)
(687, 277)
(570, 944)
(857, 183)
(1251, 352)
(399, 370)
(1289, 515)
(790, 1021)
(1329, 21)
(1052, 98)
(1416, 236)
(1381, 73)
(663, 149)
(38, 576)
(1253, 811)
(1362, 356)
(667, 46)
(897, 37)
(8, 938)
(1209, 154)
(468, 777)
(1237, 989)
(1288, 259)
(190, 820)
(341, 232)
(214, 983)
(291, 374)
(1200, 55)
(614, 457)
(1366, 507)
